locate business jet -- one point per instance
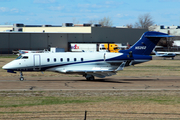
(88, 64)
(165, 54)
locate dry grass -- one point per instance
(153, 68)
(136, 106)
(109, 107)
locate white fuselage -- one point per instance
(88, 64)
(61, 62)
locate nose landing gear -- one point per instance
(21, 76)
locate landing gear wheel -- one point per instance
(21, 78)
(88, 76)
(91, 78)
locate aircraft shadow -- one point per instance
(140, 80)
(107, 81)
(96, 80)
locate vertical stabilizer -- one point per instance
(146, 43)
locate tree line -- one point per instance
(143, 22)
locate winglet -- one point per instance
(121, 67)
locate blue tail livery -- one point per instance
(146, 43)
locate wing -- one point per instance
(97, 73)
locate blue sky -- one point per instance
(56, 12)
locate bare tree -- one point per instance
(75, 21)
(129, 25)
(93, 21)
(152, 28)
(106, 22)
(144, 21)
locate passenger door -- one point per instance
(37, 62)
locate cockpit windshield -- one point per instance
(25, 57)
(22, 57)
(19, 57)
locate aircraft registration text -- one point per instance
(140, 47)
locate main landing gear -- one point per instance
(89, 77)
(21, 76)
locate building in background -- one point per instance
(39, 37)
(171, 44)
(171, 30)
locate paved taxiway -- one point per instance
(79, 83)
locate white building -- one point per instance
(171, 30)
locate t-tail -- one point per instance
(146, 44)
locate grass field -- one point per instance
(161, 105)
(158, 105)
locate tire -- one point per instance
(21, 79)
(91, 78)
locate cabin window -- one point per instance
(25, 57)
(68, 59)
(74, 59)
(61, 59)
(81, 59)
(54, 59)
(48, 59)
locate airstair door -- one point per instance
(37, 62)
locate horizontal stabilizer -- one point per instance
(161, 36)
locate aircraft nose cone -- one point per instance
(6, 67)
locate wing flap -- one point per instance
(97, 73)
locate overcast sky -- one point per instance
(56, 12)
